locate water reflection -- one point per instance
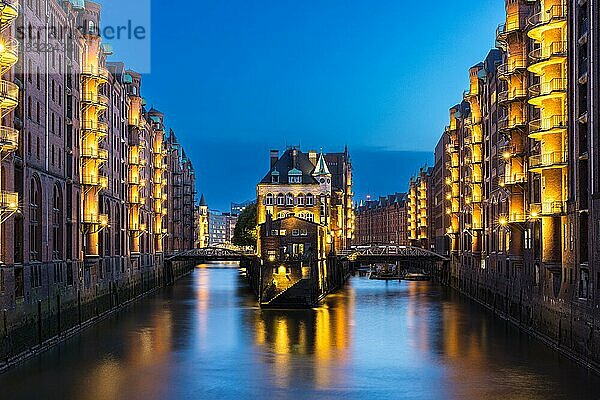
(320, 336)
(206, 338)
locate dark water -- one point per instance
(206, 339)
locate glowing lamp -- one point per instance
(506, 155)
(503, 221)
(534, 214)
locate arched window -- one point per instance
(107, 231)
(57, 223)
(269, 199)
(35, 219)
(310, 200)
(307, 216)
(289, 199)
(284, 214)
(117, 231)
(300, 199)
(280, 199)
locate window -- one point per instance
(36, 275)
(35, 216)
(269, 199)
(289, 199)
(280, 199)
(528, 244)
(295, 232)
(308, 216)
(584, 284)
(300, 199)
(57, 224)
(310, 200)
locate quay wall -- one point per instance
(30, 328)
(570, 327)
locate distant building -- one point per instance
(217, 227)
(203, 224)
(383, 220)
(237, 208)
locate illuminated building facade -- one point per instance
(417, 216)
(520, 174)
(203, 224)
(303, 193)
(383, 220)
(180, 197)
(84, 164)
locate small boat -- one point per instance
(417, 276)
(383, 277)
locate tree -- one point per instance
(244, 233)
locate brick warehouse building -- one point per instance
(514, 189)
(383, 220)
(93, 191)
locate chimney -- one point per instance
(312, 156)
(274, 157)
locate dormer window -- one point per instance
(275, 177)
(295, 176)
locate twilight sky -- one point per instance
(237, 77)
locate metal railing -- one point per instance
(548, 123)
(547, 52)
(557, 12)
(549, 159)
(9, 138)
(95, 72)
(546, 88)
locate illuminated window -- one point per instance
(269, 199)
(280, 199)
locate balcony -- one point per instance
(95, 72)
(518, 178)
(516, 94)
(9, 53)
(90, 126)
(9, 139)
(476, 198)
(9, 11)
(542, 57)
(553, 18)
(553, 89)
(9, 202)
(95, 154)
(550, 125)
(555, 159)
(95, 219)
(553, 208)
(510, 68)
(95, 180)
(136, 160)
(137, 200)
(512, 218)
(95, 99)
(134, 180)
(9, 95)
(475, 226)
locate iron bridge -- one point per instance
(214, 253)
(389, 252)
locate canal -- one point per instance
(205, 338)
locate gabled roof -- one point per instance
(285, 167)
(321, 168)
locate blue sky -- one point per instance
(237, 77)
